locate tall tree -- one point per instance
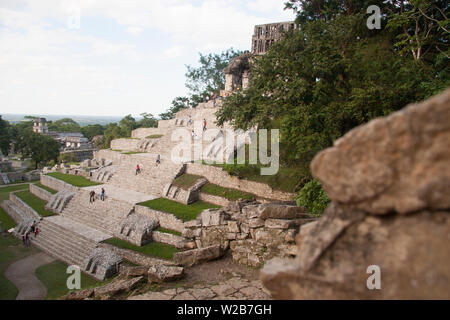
(5, 136)
(147, 121)
(64, 125)
(40, 148)
(179, 103)
(208, 76)
(323, 80)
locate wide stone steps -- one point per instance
(92, 218)
(63, 244)
(101, 215)
(151, 180)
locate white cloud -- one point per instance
(46, 67)
(174, 52)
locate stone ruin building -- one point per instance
(40, 126)
(237, 73)
(265, 35)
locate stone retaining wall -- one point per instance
(168, 238)
(166, 220)
(142, 133)
(17, 215)
(213, 199)
(24, 207)
(222, 178)
(253, 231)
(40, 193)
(125, 144)
(57, 184)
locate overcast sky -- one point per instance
(114, 57)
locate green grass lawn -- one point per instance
(154, 136)
(54, 277)
(11, 250)
(132, 152)
(186, 180)
(4, 191)
(46, 188)
(227, 193)
(286, 179)
(182, 211)
(156, 249)
(36, 203)
(73, 163)
(77, 181)
(5, 220)
(169, 231)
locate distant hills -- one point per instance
(80, 119)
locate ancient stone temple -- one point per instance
(237, 73)
(267, 34)
(40, 125)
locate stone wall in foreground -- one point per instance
(253, 231)
(220, 177)
(389, 181)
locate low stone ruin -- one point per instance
(137, 229)
(389, 182)
(184, 196)
(253, 231)
(102, 263)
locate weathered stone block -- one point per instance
(161, 273)
(278, 211)
(117, 287)
(233, 226)
(255, 223)
(279, 224)
(195, 256)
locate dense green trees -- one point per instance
(330, 76)
(208, 77)
(5, 136)
(334, 74)
(40, 148)
(64, 125)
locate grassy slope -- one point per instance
(46, 188)
(11, 250)
(5, 220)
(77, 181)
(227, 193)
(155, 249)
(186, 180)
(54, 277)
(36, 203)
(169, 231)
(182, 211)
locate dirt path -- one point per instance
(22, 274)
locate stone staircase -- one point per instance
(4, 178)
(101, 215)
(152, 178)
(103, 174)
(62, 243)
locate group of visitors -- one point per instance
(189, 122)
(34, 229)
(92, 195)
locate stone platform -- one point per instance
(78, 228)
(121, 194)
